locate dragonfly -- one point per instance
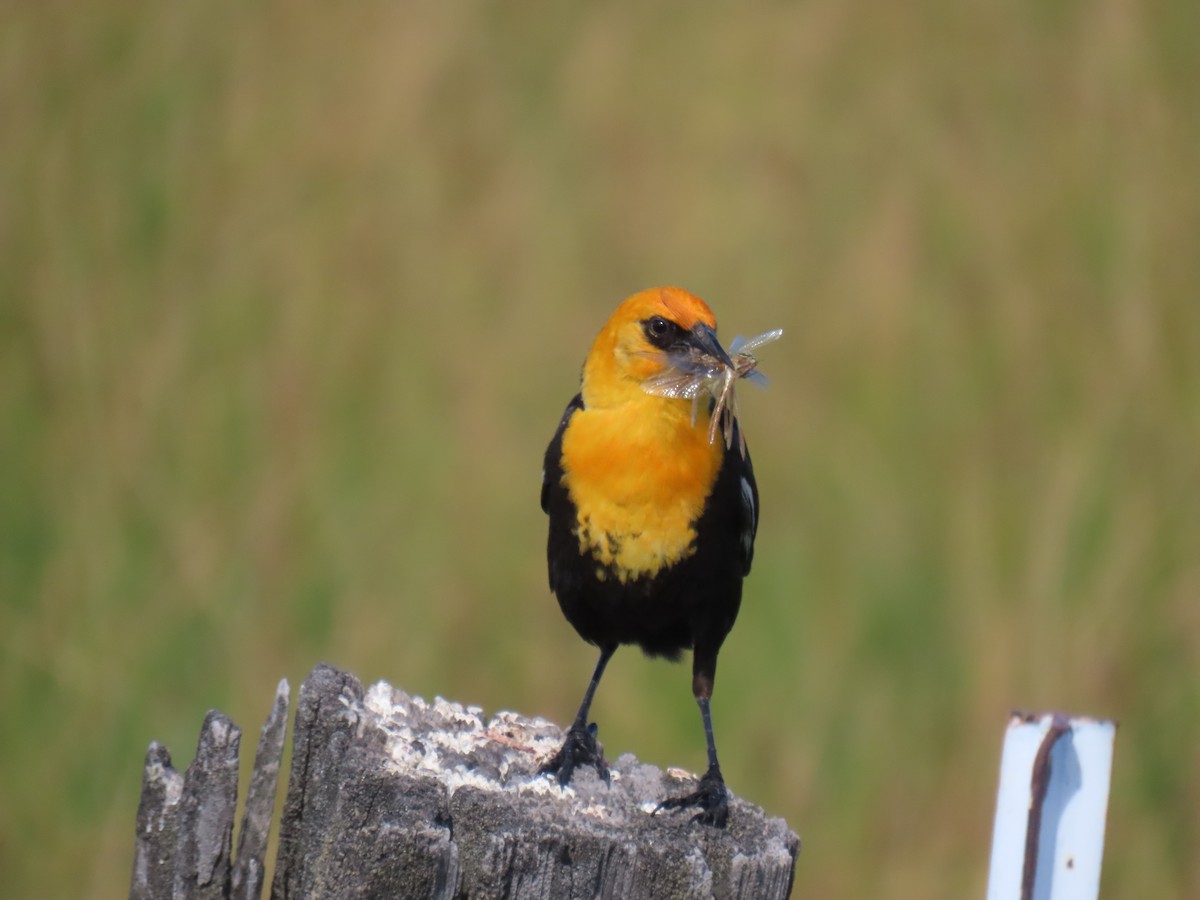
(691, 374)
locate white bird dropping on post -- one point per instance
(1048, 840)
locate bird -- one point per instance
(651, 522)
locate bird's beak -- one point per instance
(705, 340)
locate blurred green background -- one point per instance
(292, 296)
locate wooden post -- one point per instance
(185, 822)
(390, 796)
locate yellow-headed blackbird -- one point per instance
(651, 524)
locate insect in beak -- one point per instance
(705, 368)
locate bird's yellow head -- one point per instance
(639, 339)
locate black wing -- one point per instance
(561, 549)
(552, 464)
(737, 467)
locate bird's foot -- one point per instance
(711, 797)
(579, 749)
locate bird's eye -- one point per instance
(660, 332)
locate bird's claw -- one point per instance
(579, 749)
(711, 796)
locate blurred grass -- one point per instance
(291, 297)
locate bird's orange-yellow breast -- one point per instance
(636, 467)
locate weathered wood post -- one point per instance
(185, 822)
(390, 796)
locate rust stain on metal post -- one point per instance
(1040, 783)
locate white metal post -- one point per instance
(1050, 810)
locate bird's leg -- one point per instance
(710, 796)
(580, 747)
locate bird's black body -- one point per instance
(692, 604)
